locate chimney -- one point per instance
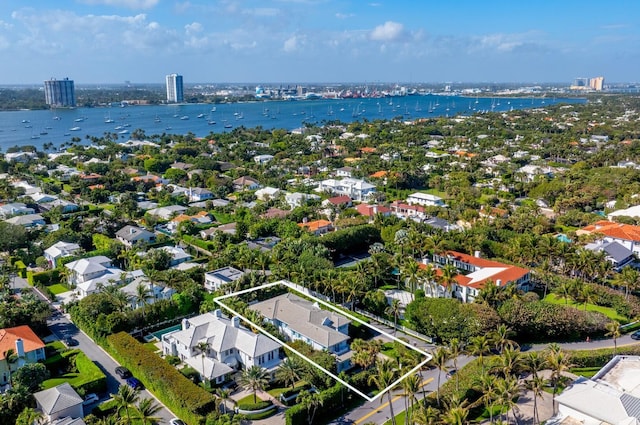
(499, 283)
(476, 253)
(20, 348)
(185, 324)
(217, 312)
(132, 230)
(235, 321)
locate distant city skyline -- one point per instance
(269, 41)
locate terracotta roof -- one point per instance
(408, 207)
(614, 230)
(368, 150)
(339, 200)
(313, 226)
(275, 213)
(9, 336)
(185, 217)
(371, 210)
(379, 174)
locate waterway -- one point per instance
(20, 128)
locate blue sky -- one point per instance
(266, 41)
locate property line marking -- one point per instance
(290, 285)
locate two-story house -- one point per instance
(216, 279)
(132, 236)
(88, 275)
(357, 189)
(221, 345)
(425, 199)
(26, 346)
(155, 292)
(60, 250)
(303, 320)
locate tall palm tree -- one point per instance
(410, 272)
(143, 295)
(456, 412)
(508, 390)
(203, 347)
(225, 395)
(289, 371)
(536, 385)
(254, 379)
(448, 278)
(125, 398)
(501, 337)
(393, 309)
(479, 346)
(426, 415)
(385, 377)
(509, 361)
(629, 278)
(534, 362)
(30, 416)
(147, 408)
(410, 387)
(440, 359)
(486, 384)
(455, 349)
(559, 362)
(311, 401)
(613, 330)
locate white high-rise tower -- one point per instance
(175, 91)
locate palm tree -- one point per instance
(385, 377)
(426, 415)
(456, 412)
(125, 398)
(564, 290)
(311, 401)
(486, 384)
(455, 349)
(254, 379)
(479, 346)
(410, 387)
(289, 371)
(29, 416)
(509, 361)
(501, 337)
(559, 362)
(147, 408)
(11, 357)
(143, 295)
(203, 347)
(629, 278)
(536, 386)
(224, 395)
(410, 273)
(448, 278)
(508, 390)
(440, 359)
(613, 330)
(394, 310)
(535, 362)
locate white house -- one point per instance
(425, 199)
(15, 208)
(60, 250)
(166, 213)
(27, 220)
(199, 194)
(156, 291)
(611, 396)
(214, 280)
(357, 189)
(344, 172)
(25, 344)
(300, 319)
(267, 193)
(59, 402)
(133, 236)
(88, 274)
(262, 159)
(229, 346)
(297, 199)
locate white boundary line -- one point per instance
(290, 285)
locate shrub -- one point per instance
(255, 406)
(258, 416)
(173, 360)
(43, 278)
(181, 395)
(333, 402)
(291, 391)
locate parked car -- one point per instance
(635, 335)
(134, 383)
(123, 372)
(176, 421)
(70, 342)
(90, 398)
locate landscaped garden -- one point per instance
(74, 367)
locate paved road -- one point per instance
(62, 327)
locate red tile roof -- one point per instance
(339, 200)
(9, 336)
(314, 226)
(614, 230)
(372, 210)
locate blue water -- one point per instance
(287, 115)
(158, 334)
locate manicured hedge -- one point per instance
(90, 378)
(43, 278)
(262, 415)
(186, 399)
(333, 402)
(598, 358)
(255, 406)
(296, 390)
(351, 239)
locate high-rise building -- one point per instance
(596, 83)
(60, 93)
(175, 91)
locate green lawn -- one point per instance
(58, 288)
(275, 392)
(223, 218)
(587, 372)
(609, 312)
(87, 371)
(249, 399)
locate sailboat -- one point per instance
(108, 119)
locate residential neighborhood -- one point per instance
(438, 253)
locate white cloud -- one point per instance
(389, 31)
(291, 44)
(193, 28)
(130, 4)
(344, 15)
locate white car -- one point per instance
(90, 398)
(176, 421)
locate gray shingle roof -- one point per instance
(58, 398)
